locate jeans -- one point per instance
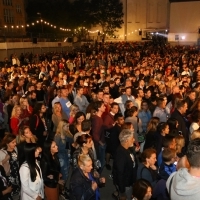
(64, 165)
(102, 155)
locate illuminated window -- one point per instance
(18, 8)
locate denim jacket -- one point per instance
(145, 118)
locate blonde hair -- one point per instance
(22, 136)
(22, 100)
(82, 159)
(73, 110)
(153, 123)
(13, 114)
(180, 143)
(63, 133)
(195, 134)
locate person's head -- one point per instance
(73, 110)
(161, 103)
(128, 91)
(99, 106)
(106, 98)
(148, 157)
(142, 190)
(86, 125)
(85, 141)
(64, 92)
(195, 134)
(192, 95)
(16, 111)
(114, 108)
(63, 129)
(173, 123)
(196, 116)
(119, 118)
(129, 104)
(57, 108)
(153, 123)
(169, 142)
(49, 150)
(180, 143)
(163, 128)
(25, 134)
(133, 111)
(31, 152)
(100, 95)
(8, 142)
(169, 155)
(79, 117)
(23, 101)
(193, 153)
(128, 125)
(126, 138)
(144, 106)
(39, 108)
(80, 90)
(85, 163)
(182, 106)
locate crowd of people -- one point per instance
(130, 108)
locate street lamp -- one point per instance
(41, 20)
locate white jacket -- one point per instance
(30, 190)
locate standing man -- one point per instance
(65, 103)
(160, 110)
(123, 165)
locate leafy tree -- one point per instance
(108, 14)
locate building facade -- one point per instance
(12, 17)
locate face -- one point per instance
(87, 166)
(128, 91)
(141, 93)
(100, 95)
(115, 109)
(106, 99)
(106, 90)
(144, 106)
(192, 96)
(130, 141)
(184, 108)
(57, 107)
(173, 144)
(64, 92)
(80, 119)
(18, 111)
(54, 148)
(89, 143)
(43, 109)
(148, 194)
(12, 144)
(120, 121)
(27, 133)
(37, 152)
(81, 91)
(66, 126)
(152, 159)
(25, 102)
(102, 108)
(166, 130)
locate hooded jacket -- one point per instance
(183, 186)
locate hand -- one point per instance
(102, 180)
(61, 182)
(94, 185)
(9, 189)
(153, 167)
(45, 133)
(96, 174)
(38, 198)
(137, 148)
(50, 176)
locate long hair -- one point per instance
(153, 123)
(22, 137)
(6, 140)
(13, 114)
(46, 152)
(29, 151)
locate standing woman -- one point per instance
(15, 120)
(9, 160)
(25, 136)
(50, 166)
(38, 123)
(57, 115)
(76, 126)
(26, 110)
(64, 139)
(32, 187)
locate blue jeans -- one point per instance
(102, 155)
(64, 165)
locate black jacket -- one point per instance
(81, 186)
(123, 169)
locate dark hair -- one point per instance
(97, 105)
(46, 151)
(82, 139)
(86, 125)
(180, 103)
(193, 153)
(118, 115)
(131, 111)
(78, 114)
(6, 140)
(147, 153)
(161, 126)
(140, 188)
(168, 154)
(195, 116)
(37, 108)
(29, 152)
(172, 122)
(167, 141)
